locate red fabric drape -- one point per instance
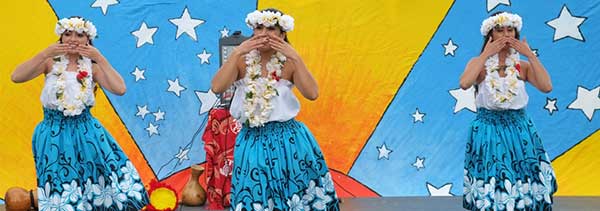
(219, 140)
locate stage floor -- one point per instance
(564, 203)
(441, 203)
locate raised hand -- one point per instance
(521, 46)
(89, 52)
(493, 47)
(56, 49)
(281, 46)
(254, 42)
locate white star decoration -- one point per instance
(224, 32)
(464, 99)
(204, 56)
(139, 74)
(449, 48)
(159, 115)
(551, 105)
(443, 191)
(182, 154)
(535, 52)
(103, 4)
(587, 101)
(491, 4)
(186, 24)
(567, 25)
(152, 129)
(207, 99)
(384, 152)
(417, 117)
(175, 87)
(142, 111)
(144, 35)
(419, 163)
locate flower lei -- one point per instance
(83, 77)
(501, 19)
(260, 90)
(76, 24)
(503, 93)
(268, 19)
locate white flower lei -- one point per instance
(60, 68)
(260, 90)
(268, 19)
(501, 19)
(76, 24)
(503, 94)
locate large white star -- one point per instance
(152, 129)
(449, 48)
(186, 24)
(175, 87)
(419, 163)
(587, 101)
(417, 116)
(567, 25)
(384, 152)
(464, 99)
(204, 56)
(224, 32)
(207, 99)
(139, 74)
(491, 4)
(182, 154)
(142, 111)
(144, 35)
(159, 115)
(443, 191)
(551, 105)
(103, 4)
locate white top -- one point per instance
(72, 94)
(484, 98)
(285, 105)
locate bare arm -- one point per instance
(535, 71)
(37, 65)
(538, 76)
(303, 79)
(472, 72)
(306, 83)
(108, 78)
(229, 72)
(476, 66)
(104, 73)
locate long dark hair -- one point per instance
(489, 34)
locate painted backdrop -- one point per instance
(390, 118)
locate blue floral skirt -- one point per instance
(506, 166)
(80, 166)
(280, 167)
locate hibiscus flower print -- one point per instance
(129, 171)
(296, 204)
(71, 192)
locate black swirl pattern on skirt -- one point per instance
(280, 167)
(506, 166)
(80, 166)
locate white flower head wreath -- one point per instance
(269, 18)
(501, 19)
(76, 24)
